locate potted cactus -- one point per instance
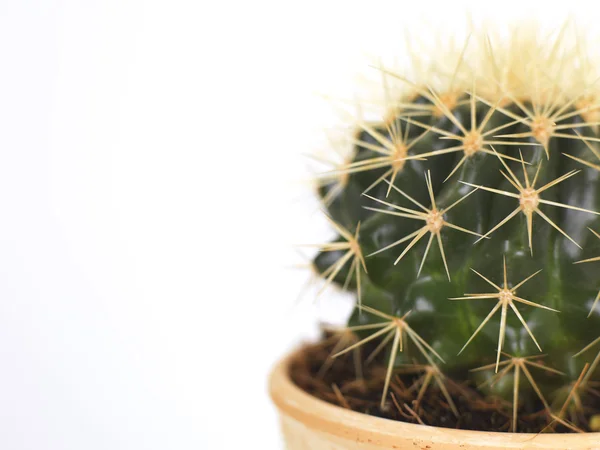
(468, 223)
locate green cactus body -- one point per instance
(396, 287)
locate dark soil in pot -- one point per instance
(344, 381)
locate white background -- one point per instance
(151, 188)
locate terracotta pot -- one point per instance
(312, 424)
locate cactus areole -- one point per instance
(468, 223)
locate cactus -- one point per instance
(468, 221)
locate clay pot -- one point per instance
(311, 424)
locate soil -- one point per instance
(343, 382)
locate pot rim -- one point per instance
(319, 415)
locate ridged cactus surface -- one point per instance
(466, 217)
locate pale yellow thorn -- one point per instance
(573, 126)
(392, 180)
(592, 149)
(460, 60)
(491, 366)
(541, 366)
(399, 208)
(430, 189)
(343, 338)
(490, 143)
(511, 181)
(385, 147)
(498, 376)
(464, 230)
(529, 217)
(595, 233)
(489, 316)
(365, 340)
(565, 423)
(571, 136)
(506, 112)
(442, 386)
(587, 347)
(556, 227)
(574, 208)
(525, 176)
(535, 305)
(422, 232)
(432, 128)
(515, 397)
(394, 213)
(537, 172)
(475, 297)
(380, 347)
(578, 112)
(514, 289)
(439, 239)
(461, 199)
(356, 236)
(425, 255)
(332, 194)
(424, 385)
(416, 87)
(506, 219)
(534, 384)
(391, 127)
(422, 345)
(502, 332)
(518, 314)
(594, 305)
(349, 276)
(557, 180)
(595, 363)
(488, 281)
(589, 164)
(390, 367)
(409, 197)
(369, 326)
(460, 163)
(393, 244)
(493, 131)
(340, 229)
(572, 392)
(590, 146)
(338, 267)
(415, 141)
